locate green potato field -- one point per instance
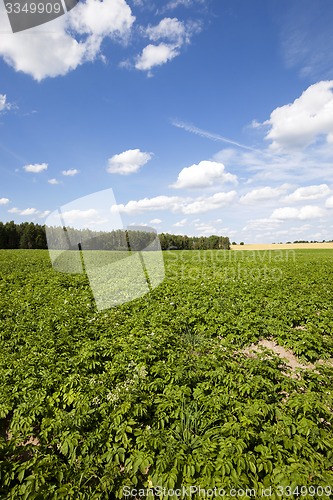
(171, 390)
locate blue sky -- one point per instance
(204, 117)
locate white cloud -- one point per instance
(68, 41)
(172, 35)
(303, 213)
(111, 18)
(155, 55)
(155, 221)
(128, 162)
(170, 29)
(53, 181)
(285, 213)
(204, 174)
(308, 193)
(44, 213)
(4, 201)
(147, 204)
(204, 229)
(299, 124)
(329, 202)
(4, 104)
(263, 224)
(74, 215)
(200, 204)
(36, 168)
(71, 172)
(256, 124)
(206, 204)
(43, 54)
(261, 194)
(180, 223)
(26, 211)
(29, 211)
(174, 4)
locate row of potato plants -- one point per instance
(158, 392)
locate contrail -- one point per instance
(209, 135)
(17, 157)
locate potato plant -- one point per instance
(162, 391)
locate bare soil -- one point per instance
(286, 355)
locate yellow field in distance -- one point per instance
(282, 246)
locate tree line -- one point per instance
(183, 242)
(24, 235)
(28, 235)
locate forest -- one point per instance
(28, 235)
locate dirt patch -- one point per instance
(285, 354)
(31, 439)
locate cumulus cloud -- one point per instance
(180, 223)
(329, 202)
(4, 201)
(53, 181)
(262, 194)
(45, 54)
(146, 204)
(303, 213)
(44, 213)
(71, 172)
(29, 211)
(128, 162)
(187, 205)
(202, 175)
(36, 168)
(155, 221)
(206, 204)
(111, 18)
(74, 215)
(300, 123)
(69, 41)
(25, 211)
(170, 35)
(155, 55)
(170, 29)
(205, 229)
(308, 193)
(263, 224)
